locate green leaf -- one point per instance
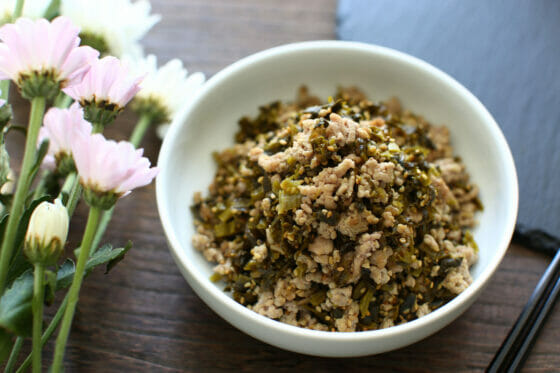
(5, 345)
(6, 199)
(18, 265)
(64, 197)
(104, 255)
(50, 286)
(15, 303)
(117, 256)
(3, 222)
(65, 274)
(15, 306)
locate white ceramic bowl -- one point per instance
(210, 123)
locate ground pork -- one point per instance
(345, 130)
(458, 279)
(326, 184)
(367, 245)
(348, 322)
(451, 171)
(265, 306)
(352, 223)
(330, 216)
(259, 253)
(340, 297)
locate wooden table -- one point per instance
(144, 317)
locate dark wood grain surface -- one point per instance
(144, 317)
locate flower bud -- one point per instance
(46, 233)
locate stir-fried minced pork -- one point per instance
(344, 216)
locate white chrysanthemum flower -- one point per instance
(31, 9)
(165, 91)
(113, 27)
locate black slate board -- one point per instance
(508, 54)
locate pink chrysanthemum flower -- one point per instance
(105, 90)
(61, 127)
(109, 170)
(42, 57)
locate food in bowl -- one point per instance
(341, 216)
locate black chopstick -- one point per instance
(514, 349)
(529, 340)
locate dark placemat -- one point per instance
(508, 54)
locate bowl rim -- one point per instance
(454, 306)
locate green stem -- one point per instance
(40, 188)
(103, 223)
(67, 186)
(52, 10)
(47, 334)
(18, 10)
(140, 130)
(135, 138)
(37, 307)
(62, 100)
(74, 196)
(35, 119)
(5, 87)
(74, 291)
(14, 355)
(73, 189)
